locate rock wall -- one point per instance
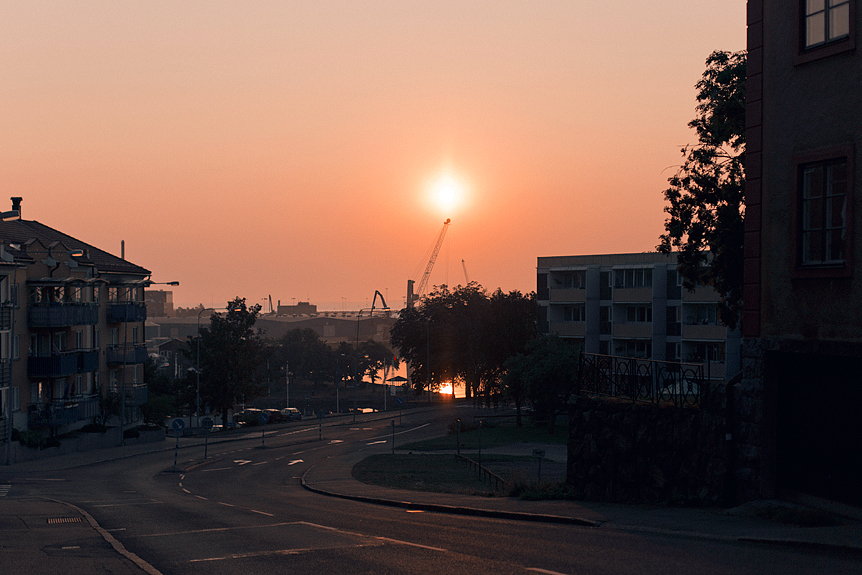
(627, 452)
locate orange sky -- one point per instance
(285, 148)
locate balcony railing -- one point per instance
(62, 364)
(5, 373)
(63, 411)
(62, 314)
(127, 353)
(136, 394)
(127, 311)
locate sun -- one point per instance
(447, 192)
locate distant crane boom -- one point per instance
(411, 296)
(466, 277)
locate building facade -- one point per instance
(71, 329)
(634, 305)
(802, 320)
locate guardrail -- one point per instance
(484, 474)
(642, 380)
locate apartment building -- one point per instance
(802, 318)
(634, 305)
(71, 328)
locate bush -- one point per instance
(131, 433)
(465, 426)
(33, 439)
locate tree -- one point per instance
(706, 195)
(463, 336)
(307, 356)
(546, 373)
(231, 357)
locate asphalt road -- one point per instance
(243, 510)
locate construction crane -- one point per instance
(411, 296)
(466, 277)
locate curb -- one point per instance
(453, 510)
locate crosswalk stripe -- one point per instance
(4, 489)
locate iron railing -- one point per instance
(53, 314)
(136, 394)
(127, 311)
(62, 364)
(63, 411)
(642, 380)
(127, 353)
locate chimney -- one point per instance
(122, 249)
(16, 205)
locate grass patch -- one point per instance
(434, 473)
(495, 435)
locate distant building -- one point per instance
(634, 305)
(160, 303)
(71, 328)
(301, 308)
(802, 321)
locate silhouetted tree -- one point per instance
(231, 359)
(705, 215)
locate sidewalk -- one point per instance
(333, 477)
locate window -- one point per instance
(79, 340)
(574, 313)
(826, 21)
(15, 348)
(60, 342)
(824, 213)
(96, 339)
(572, 280)
(704, 314)
(135, 333)
(635, 278)
(115, 336)
(638, 314)
(115, 381)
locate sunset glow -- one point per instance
(291, 149)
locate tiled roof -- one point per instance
(22, 231)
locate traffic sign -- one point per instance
(207, 423)
(399, 401)
(263, 417)
(178, 424)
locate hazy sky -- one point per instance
(287, 148)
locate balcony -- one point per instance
(634, 295)
(633, 330)
(136, 394)
(568, 295)
(62, 364)
(62, 314)
(569, 328)
(127, 353)
(127, 311)
(63, 412)
(704, 332)
(5, 373)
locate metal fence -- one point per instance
(63, 412)
(642, 380)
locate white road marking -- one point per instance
(399, 542)
(4, 489)
(187, 491)
(216, 469)
(129, 503)
(295, 461)
(199, 497)
(262, 512)
(225, 504)
(545, 571)
(336, 441)
(117, 529)
(376, 442)
(39, 479)
(260, 463)
(70, 547)
(415, 511)
(212, 530)
(242, 461)
(263, 553)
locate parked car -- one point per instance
(291, 414)
(275, 415)
(250, 416)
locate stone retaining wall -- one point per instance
(627, 452)
(83, 442)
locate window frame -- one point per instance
(828, 47)
(800, 161)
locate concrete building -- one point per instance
(634, 305)
(160, 303)
(71, 328)
(802, 322)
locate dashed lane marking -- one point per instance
(4, 489)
